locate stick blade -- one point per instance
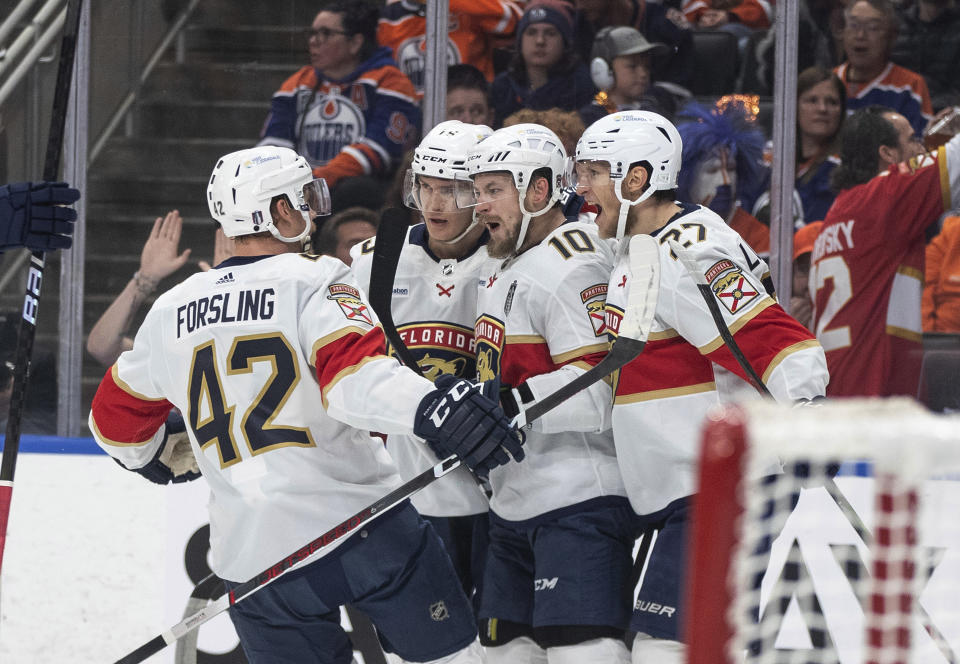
(644, 288)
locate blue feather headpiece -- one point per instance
(726, 125)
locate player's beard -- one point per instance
(504, 243)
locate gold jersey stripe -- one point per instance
(738, 324)
(665, 393)
(782, 355)
(129, 390)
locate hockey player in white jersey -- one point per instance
(434, 305)
(280, 370)
(627, 165)
(560, 527)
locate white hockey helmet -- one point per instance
(244, 182)
(442, 154)
(521, 150)
(628, 137)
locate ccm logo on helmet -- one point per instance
(428, 157)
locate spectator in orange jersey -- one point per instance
(728, 14)
(474, 25)
(941, 290)
(869, 31)
(350, 112)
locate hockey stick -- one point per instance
(635, 327)
(31, 300)
(693, 269)
(391, 235)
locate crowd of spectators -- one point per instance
(354, 112)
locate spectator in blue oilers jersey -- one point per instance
(350, 111)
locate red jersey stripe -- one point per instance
(125, 418)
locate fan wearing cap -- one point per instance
(801, 304)
(545, 71)
(620, 67)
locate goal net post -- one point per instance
(826, 534)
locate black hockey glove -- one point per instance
(457, 418)
(32, 215)
(174, 461)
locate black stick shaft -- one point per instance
(31, 300)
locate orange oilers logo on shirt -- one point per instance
(411, 59)
(593, 298)
(329, 125)
(440, 348)
(490, 336)
(351, 304)
(730, 286)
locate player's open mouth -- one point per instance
(435, 220)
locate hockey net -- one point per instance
(827, 535)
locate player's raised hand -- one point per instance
(457, 418)
(32, 215)
(159, 258)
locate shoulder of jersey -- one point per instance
(571, 245)
(704, 233)
(303, 77)
(389, 79)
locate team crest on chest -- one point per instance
(440, 348)
(332, 123)
(730, 286)
(351, 304)
(490, 335)
(593, 299)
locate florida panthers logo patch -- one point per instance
(593, 299)
(351, 304)
(730, 285)
(490, 335)
(330, 124)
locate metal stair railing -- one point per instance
(121, 112)
(40, 32)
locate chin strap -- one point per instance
(304, 235)
(527, 216)
(473, 224)
(625, 206)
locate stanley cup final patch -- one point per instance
(351, 304)
(730, 286)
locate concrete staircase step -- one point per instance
(195, 156)
(202, 119)
(203, 81)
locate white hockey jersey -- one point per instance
(661, 397)
(540, 323)
(434, 305)
(280, 371)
